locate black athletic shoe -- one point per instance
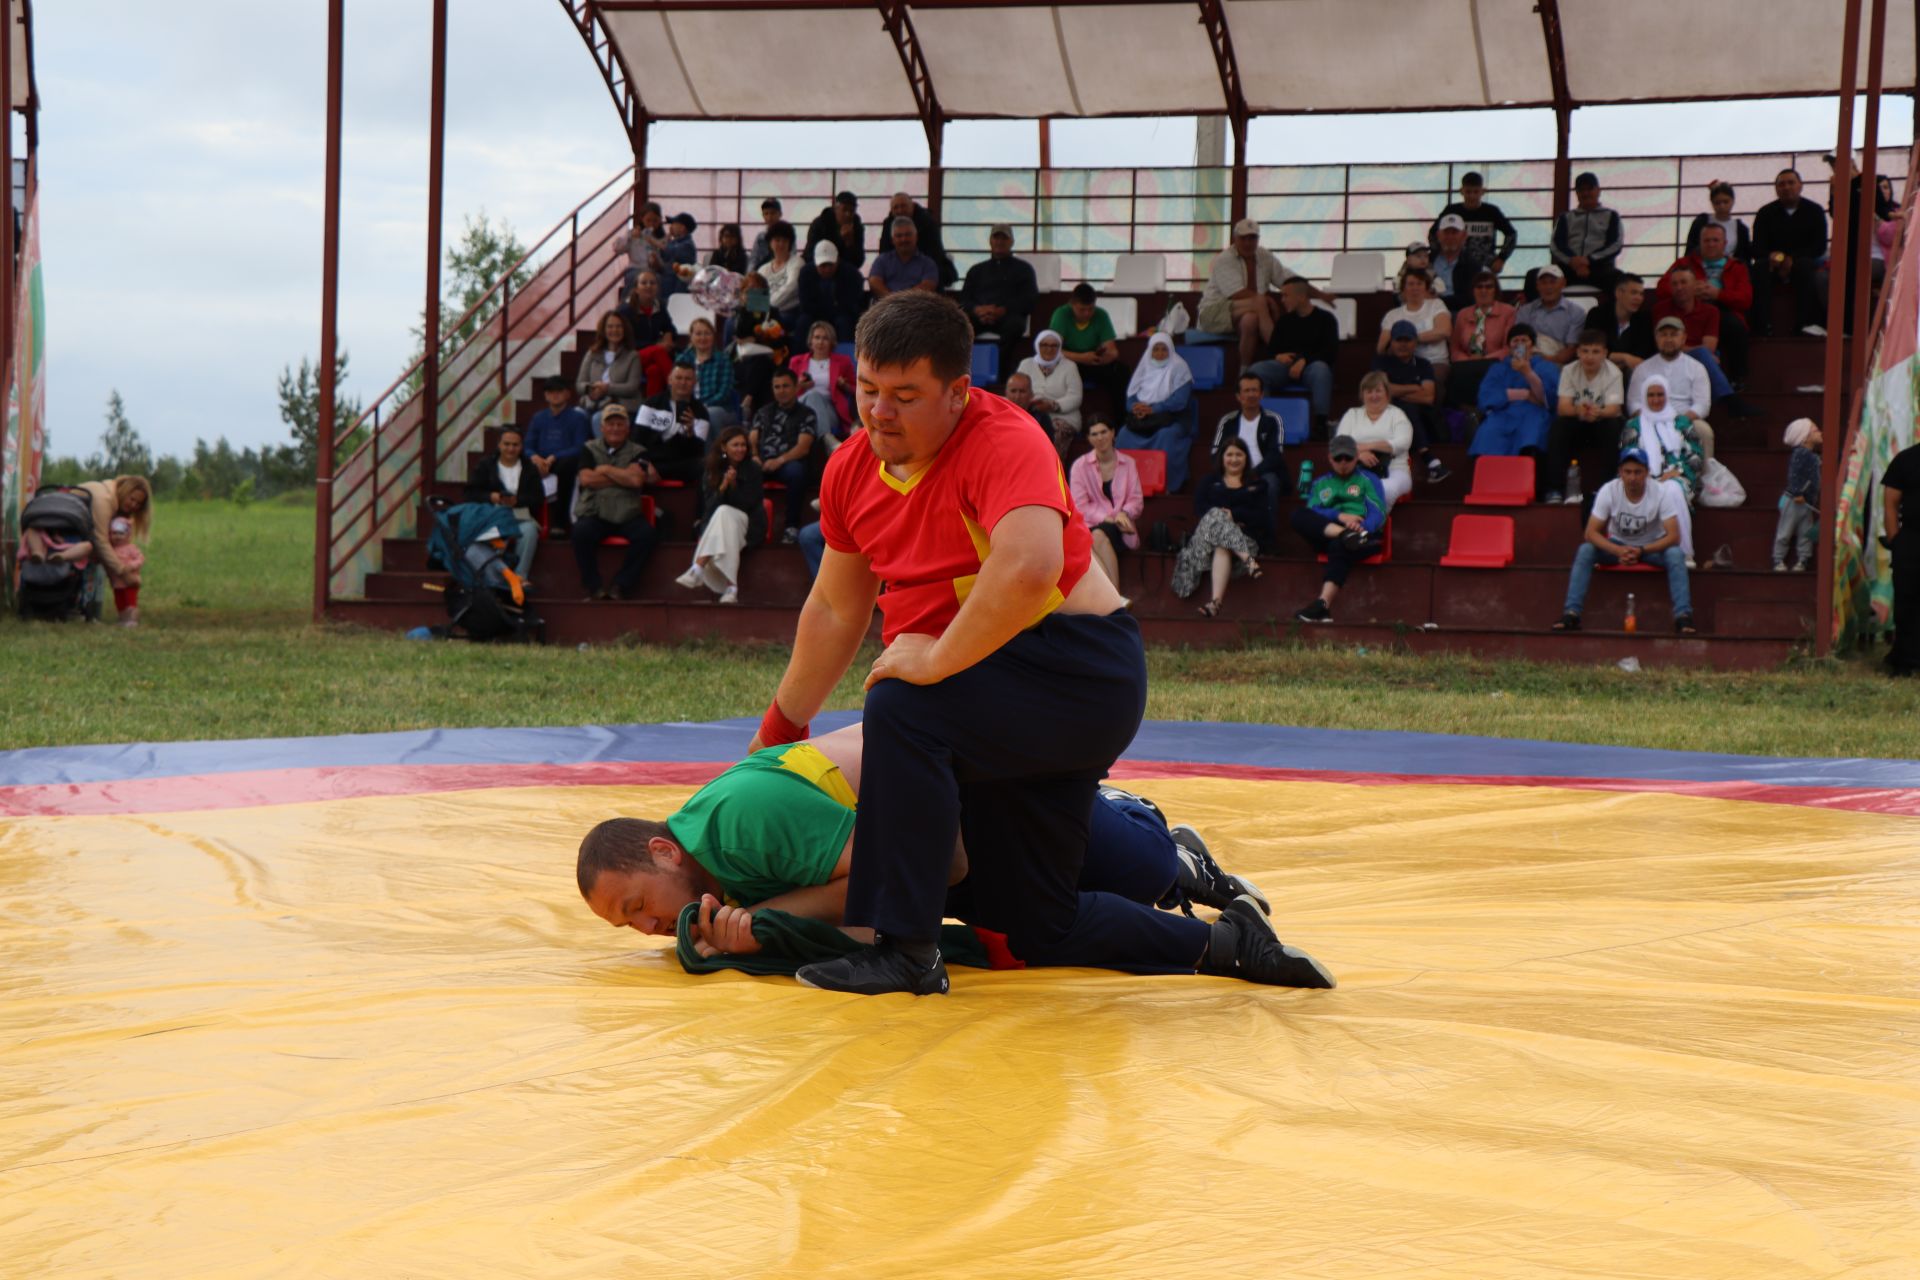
(876, 971)
(1243, 946)
(1315, 612)
(1200, 879)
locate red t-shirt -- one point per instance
(1702, 322)
(926, 537)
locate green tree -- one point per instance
(485, 253)
(300, 410)
(123, 452)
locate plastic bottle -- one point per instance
(1573, 480)
(1632, 624)
(1306, 477)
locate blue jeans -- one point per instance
(813, 546)
(1716, 377)
(1669, 559)
(1317, 378)
(794, 476)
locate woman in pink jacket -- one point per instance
(1106, 489)
(826, 381)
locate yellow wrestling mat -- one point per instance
(1577, 1033)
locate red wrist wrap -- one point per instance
(776, 730)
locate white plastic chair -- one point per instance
(1358, 273)
(1124, 312)
(1346, 312)
(683, 311)
(1046, 270)
(1139, 273)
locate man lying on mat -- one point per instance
(775, 832)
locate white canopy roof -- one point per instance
(836, 59)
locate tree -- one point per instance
(300, 410)
(123, 452)
(485, 253)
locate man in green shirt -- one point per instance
(775, 832)
(1087, 338)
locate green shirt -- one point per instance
(775, 822)
(1077, 337)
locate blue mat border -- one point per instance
(1206, 742)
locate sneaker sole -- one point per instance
(1292, 953)
(1243, 888)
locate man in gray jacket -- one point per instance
(1587, 238)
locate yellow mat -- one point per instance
(1577, 1034)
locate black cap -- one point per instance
(1585, 180)
(686, 220)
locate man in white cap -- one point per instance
(1455, 262)
(1241, 293)
(830, 292)
(1555, 318)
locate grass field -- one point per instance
(226, 650)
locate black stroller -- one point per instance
(474, 543)
(59, 590)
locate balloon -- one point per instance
(716, 289)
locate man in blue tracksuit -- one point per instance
(555, 439)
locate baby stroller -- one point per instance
(474, 542)
(59, 590)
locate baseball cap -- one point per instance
(1551, 269)
(1587, 179)
(824, 252)
(1245, 227)
(1342, 447)
(1671, 322)
(685, 220)
(1000, 229)
(1419, 246)
(1453, 222)
(615, 409)
(1635, 455)
(1402, 329)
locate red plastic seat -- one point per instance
(646, 513)
(1626, 568)
(1385, 553)
(1480, 542)
(1153, 470)
(1501, 482)
(768, 503)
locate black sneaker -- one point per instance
(790, 536)
(1359, 541)
(1437, 471)
(1200, 879)
(876, 971)
(1243, 946)
(1315, 612)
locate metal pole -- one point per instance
(1238, 208)
(573, 273)
(1833, 396)
(1046, 143)
(936, 170)
(506, 323)
(7, 247)
(329, 308)
(436, 162)
(1562, 159)
(1861, 346)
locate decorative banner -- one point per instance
(23, 438)
(1863, 569)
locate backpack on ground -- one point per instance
(485, 599)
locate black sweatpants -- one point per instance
(1018, 742)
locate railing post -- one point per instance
(329, 306)
(1835, 409)
(573, 274)
(436, 157)
(506, 323)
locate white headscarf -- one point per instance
(1660, 432)
(1048, 366)
(1154, 381)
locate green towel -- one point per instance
(789, 941)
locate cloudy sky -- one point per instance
(182, 145)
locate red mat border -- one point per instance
(243, 790)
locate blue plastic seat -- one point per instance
(1294, 414)
(986, 364)
(1209, 365)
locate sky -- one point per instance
(182, 149)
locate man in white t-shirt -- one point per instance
(1593, 395)
(1688, 390)
(1259, 430)
(1633, 522)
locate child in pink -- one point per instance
(126, 583)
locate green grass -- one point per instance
(227, 650)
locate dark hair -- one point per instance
(600, 332)
(771, 202)
(1245, 378)
(1220, 454)
(781, 230)
(1791, 170)
(1486, 277)
(509, 428)
(1590, 338)
(1421, 273)
(1720, 188)
(652, 206)
(727, 227)
(1627, 277)
(556, 383)
(620, 845)
(717, 456)
(1522, 330)
(1301, 281)
(784, 372)
(1472, 178)
(1083, 292)
(913, 325)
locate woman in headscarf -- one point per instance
(1673, 452)
(1056, 380)
(1158, 400)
